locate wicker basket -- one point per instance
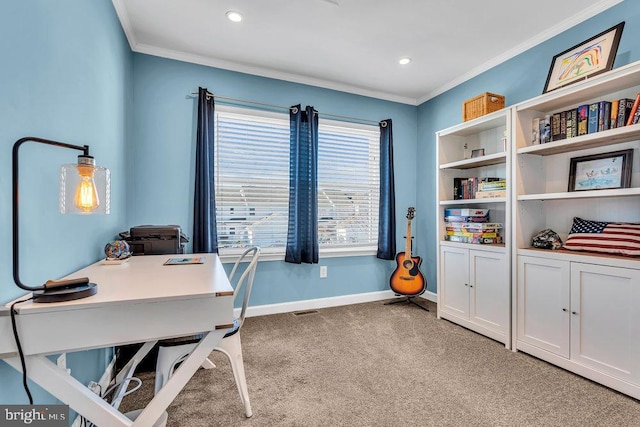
(481, 105)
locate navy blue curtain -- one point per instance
(205, 234)
(387, 212)
(302, 234)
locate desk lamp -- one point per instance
(84, 189)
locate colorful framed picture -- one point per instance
(587, 59)
(601, 171)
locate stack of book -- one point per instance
(586, 119)
(468, 188)
(471, 226)
(492, 189)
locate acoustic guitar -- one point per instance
(407, 279)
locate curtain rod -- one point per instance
(281, 107)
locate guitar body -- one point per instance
(407, 279)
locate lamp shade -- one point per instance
(84, 188)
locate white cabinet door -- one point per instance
(454, 268)
(605, 319)
(543, 304)
(489, 290)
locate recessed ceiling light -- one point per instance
(404, 61)
(234, 16)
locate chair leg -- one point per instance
(208, 364)
(168, 358)
(232, 348)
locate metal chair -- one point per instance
(171, 353)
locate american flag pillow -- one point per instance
(617, 238)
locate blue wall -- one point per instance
(163, 148)
(69, 75)
(65, 75)
(518, 79)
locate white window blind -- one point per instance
(252, 178)
(348, 184)
(252, 181)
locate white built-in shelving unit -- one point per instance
(577, 310)
(474, 279)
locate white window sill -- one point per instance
(277, 254)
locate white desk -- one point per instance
(138, 301)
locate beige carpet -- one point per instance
(395, 365)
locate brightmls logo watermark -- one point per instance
(34, 415)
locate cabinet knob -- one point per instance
(574, 312)
(564, 309)
(471, 286)
(466, 284)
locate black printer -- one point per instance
(155, 239)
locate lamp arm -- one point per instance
(15, 164)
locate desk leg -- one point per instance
(70, 391)
(127, 372)
(180, 378)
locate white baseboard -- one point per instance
(312, 304)
(104, 382)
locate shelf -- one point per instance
(618, 192)
(583, 257)
(480, 124)
(490, 159)
(472, 201)
(601, 85)
(599, 139)
(495, 247)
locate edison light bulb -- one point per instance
(86, 195)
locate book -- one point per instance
(492, 185)
(185, 261)
(457, 188)
(613, 117)
(466, 219)
(572, 122)
(604, 115)
(535, 131)
(465, 212)
(594, 114)
(556, 132)
(634, 108)
(636, 115)
(624, 109)
(583, 119)
(545, 130)
(491, 194)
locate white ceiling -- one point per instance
(354, 45)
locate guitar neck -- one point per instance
(407, 250)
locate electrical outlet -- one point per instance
(323, 271)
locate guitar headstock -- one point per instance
(411, 212)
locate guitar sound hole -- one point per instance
(407, 264)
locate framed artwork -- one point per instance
(587, 59)
(601, 171)
(477, 153)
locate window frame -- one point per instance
(277, 253)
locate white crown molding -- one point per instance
(265, 72)
(579, 17)
(570, 22)
(123, 16)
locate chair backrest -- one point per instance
(246, 278)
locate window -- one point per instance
(348, 184)
(252, 183)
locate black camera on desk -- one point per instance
(155, 239)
